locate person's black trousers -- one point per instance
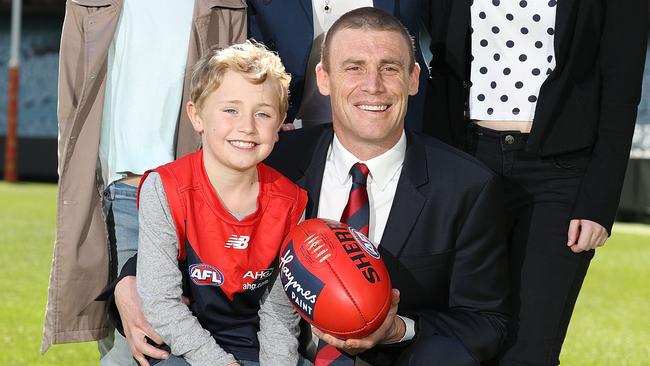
(546, 275)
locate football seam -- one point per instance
(355, 305)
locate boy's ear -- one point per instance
(277, 132)
(195, 118)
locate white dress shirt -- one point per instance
(385, 171)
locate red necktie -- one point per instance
(357, 215)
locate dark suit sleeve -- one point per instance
(622, 54)
(108, 294)
(478, 290)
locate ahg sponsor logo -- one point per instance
(254, 286)
(257, 275)
(259, 278)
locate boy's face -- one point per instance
(239, 122)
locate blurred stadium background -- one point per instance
(608, 327)
(37, 125)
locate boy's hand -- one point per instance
(392, 330)
(136, 327)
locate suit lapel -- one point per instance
(408, 201)
(312, 168)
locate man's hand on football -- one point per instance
(136, 327)
(392, 330)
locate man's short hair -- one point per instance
(250, 59)
(367, 18)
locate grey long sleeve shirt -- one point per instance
(159, 283)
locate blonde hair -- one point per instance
(251, 59)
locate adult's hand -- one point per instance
(392, 330)
(585, 235)
(136, 327)
(287, 126)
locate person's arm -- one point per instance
(622, 55)
(125, 312)
(279, 329)
(279, 321)
(159, 282)
(479, 285)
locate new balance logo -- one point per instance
(238, 242)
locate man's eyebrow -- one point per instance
(391, 61)
(385, 61)
(353, 61)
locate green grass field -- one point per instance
(610, 325)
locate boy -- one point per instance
(212, 222)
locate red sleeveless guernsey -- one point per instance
(226, 263)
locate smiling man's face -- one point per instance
(368, 82)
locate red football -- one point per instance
(335, 279)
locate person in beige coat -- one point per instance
(84, 262)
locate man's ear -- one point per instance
(195, 118)
(414, 79)
(322, 79)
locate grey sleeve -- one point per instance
(279, 329)
(159, 282)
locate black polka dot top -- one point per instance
(512, 54)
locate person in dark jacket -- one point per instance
(546, 94)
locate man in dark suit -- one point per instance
(435, 212)
(561, 146)
(287, 27)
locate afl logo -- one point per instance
(366, 244)
(206, 275)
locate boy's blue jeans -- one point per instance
(122, 223)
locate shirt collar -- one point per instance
(382, 168)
